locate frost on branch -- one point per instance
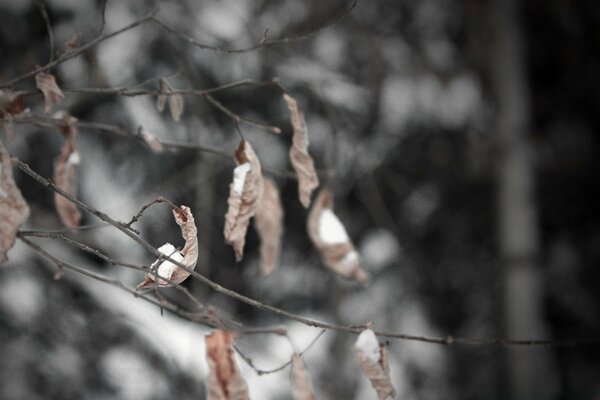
(224, 380)
(301, 161)
(372, 359)
(14, 211)
(65, 172)
(11, 103)
(244, 195)
(269, 225)
(331, 239)
(169, 273)
(176, 102)
(52, 93)
(302, 389)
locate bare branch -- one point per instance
(44, 12)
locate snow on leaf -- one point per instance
(173, 274)
(269, 225)
(52, 93)
(244, 195)
(224, 380)
(14, 211)
(301, 387)
(372, 359)
(151, 141)
(65, 172)
(329, 237)
(301, 161)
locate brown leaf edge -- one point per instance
(301, 387)
(11, 104)
(224, 380)
(14, 211)
(268, 222)
(342, 258)
(302, 162)
(46, 83)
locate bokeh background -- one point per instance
(463, 136)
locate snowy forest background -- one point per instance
(463, 136)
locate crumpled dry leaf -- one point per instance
(301, 161)
(331, 239)
(372, 359)
(65, 172)
(14, 211)
(301, 387)
(269, 225)
(11, 103)
(176, 102)
(52, 93)
(244, 195)
(151, 140)
(224, 380)
(171, 273)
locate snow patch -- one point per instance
(368, 344)
(74, 158)
(239, 177)
(166, 268)
(331, 230)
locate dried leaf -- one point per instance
(372, 359)
(14, 211)
(11, 103)
(162, 98)
(301, 161)
(169, 273)
(244, 195)
(52, 93)
(331, 239)
(224, 380)
(65, 172)
(269, 225)
(72, 43)
(176, 105)
(302, 389)
(151, 140)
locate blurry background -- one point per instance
(463, 137)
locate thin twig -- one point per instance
(237, 119)
(44, 12)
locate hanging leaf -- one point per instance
(14, 211)
(52, 93)
(72, 43)
(372, 359)
(11, 103)
(151, 140)
(269, 225)
(168, 273)
(176, 102)
(302, 389)
(244, 196)
(301, 161)
(176, 105)
(65, 172)
(224, 380)
(161, 101)
(331, 239)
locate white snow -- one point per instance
(348, 261)
(239, 177)
(166, 268)
(368, 344)
(331, 230)
(74, 158)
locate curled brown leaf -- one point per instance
(301, 161)
(52, 93)
(176, 102)
(11, 104)
(168, 273)
(244, 196)
(301, 387)
(65, 172)
(14, 211)
(269, 225)
(332, 241)
(372, 359)
(224, 381)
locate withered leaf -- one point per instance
(244, 196)
(332, 241)
(302, 389)
(161, 100)
(301, 161)
(176, 105)
(72, 43)
(372, 359)
(52, 93)
(168, 273)
(224, 380)
(176, 102)
(65, 172)
(11, 103)
(151, 140)
(14, 211)
(269, 225)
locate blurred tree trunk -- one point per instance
(529, 369)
